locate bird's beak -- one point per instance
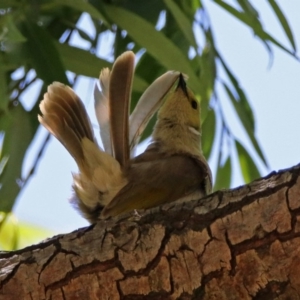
(182, 84)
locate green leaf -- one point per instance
(16, 126)
(240, 110)
(83, 6)
(149, 10)
(8, 232)
(84, 35)
(246, 122)
(248, 8)
(4, 98)
(8, 3)
(155, 42)
(223, 177)
(89, 64)
(284, 23)
(207, 76)
(241, 98)
(208, 132)
(243, 109)
(43, 54)
(10, 32)
(16, 235)
(81, 61)
(247, 165)
(139, 84)
(149, 128)
(183, 22)
(254, 23)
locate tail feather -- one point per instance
(64, 115)
(65, 97)
(102, 109)
(119, 100)
(100, 175)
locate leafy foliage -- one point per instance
(35, 45)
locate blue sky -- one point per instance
(274, 96)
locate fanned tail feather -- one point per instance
(64, 115)
(119, 100)
(101, 102)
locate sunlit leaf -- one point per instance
(247, 165)
(16, 235)
(8, 231)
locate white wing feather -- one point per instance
(101, 98)
(148, 104)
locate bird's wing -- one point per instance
(156, 182)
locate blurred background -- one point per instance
(241, 57)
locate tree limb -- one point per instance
(234, 244)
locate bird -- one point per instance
(111, 181)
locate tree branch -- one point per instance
(235, 244)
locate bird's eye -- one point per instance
(194, 104)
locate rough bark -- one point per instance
(235, 244)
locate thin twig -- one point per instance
(36, 161)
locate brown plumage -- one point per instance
(119, 95)
(171, 168)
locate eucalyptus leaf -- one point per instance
(184, 23)
(223, 177)
(284, 23)
(8, 3)
(16, 234)
(41, 51)
(81, 61)
(83, 6)
(254, 24)
(244, 118)
(208, 132)
(155, 42)
(4, 98)
(16, 126)
(207, 77)
(247, 165)
(10, 32)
